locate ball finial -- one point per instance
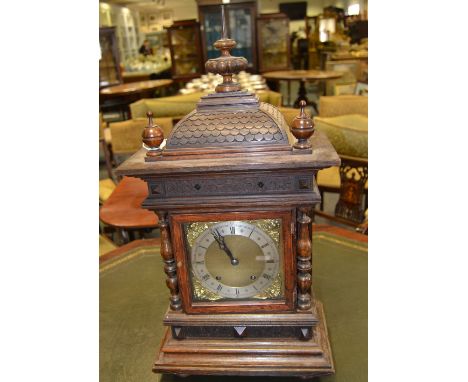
(302, 128)
(152, 136)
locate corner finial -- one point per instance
(302, 128)
(226, 65)
(152, 136)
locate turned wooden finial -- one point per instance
(302, 128)
(226, 65)
(153, 136)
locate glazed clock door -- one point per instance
(235, 262)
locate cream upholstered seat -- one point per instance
(344, 120)
(347, 133)
(330, 178)
(179, 106)
(126, 135)
(333, 106)
(106, 187)
(105, 245)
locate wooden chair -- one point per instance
(104, 142)
(122, 210)
(350, 180)
(125, 137)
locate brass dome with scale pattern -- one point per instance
(253, 127)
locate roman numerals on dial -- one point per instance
(257, 254)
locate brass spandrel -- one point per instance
(201, 293)
(275, 290)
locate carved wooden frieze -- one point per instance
(353, 180)
(240, 185)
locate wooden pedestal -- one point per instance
(244, 356)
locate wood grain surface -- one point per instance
(123, 208)
(304, 75)
(134, 87)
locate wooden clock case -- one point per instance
(235, 158)
(268, 341)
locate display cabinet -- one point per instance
(274, 50)
(184, 44)
(241, 26)
(158, 40)
(313, 38)
(109, 64)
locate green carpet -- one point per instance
(134, 298)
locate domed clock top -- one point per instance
(229, 121)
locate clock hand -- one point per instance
(222, 245)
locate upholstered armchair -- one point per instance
(177, 107)
(126, 135)
(344, 120)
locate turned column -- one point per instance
(304, 260)
(169, 262)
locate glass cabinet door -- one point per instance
(273, 42)
(184, 42)
(212, 30)
(241, 27)
(109, 63)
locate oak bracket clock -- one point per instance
(234, 189)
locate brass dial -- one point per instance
(235, 259)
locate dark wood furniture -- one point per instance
(241, 26)
(143, 89)
(109, 64)
(234, 191)
(185, 46)
(123, 211)
(273, 43)
(349, 209)
(313, 40)
(119, 97)
(302, 76)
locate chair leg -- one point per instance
(124, 236)
(107, 158)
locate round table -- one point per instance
(120, 96)
(349, 56)
(302, 76)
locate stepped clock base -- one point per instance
(244, 356)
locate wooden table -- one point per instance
(302, 76)
(145, 75)
(349, 56)
(120, 96)
(123, 208)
